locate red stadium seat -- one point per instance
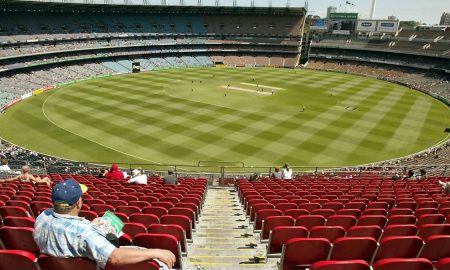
(27, 222)
(310, 221)
(264, 214)
(428, 230)
(376, 220)
(18, 238)
(399, 247)
(53, 263)
(87, 214)
(160, 241)
(282, 234)
(171, 229)
(38, 207)
(443, 264)
(133, 228)
(341, 265)
(17, 259)
(144, 219)
(365, 231)
(182, 221)
(341, 220)
(272, 222)
(354, 248)
(294, 213)
(128, 210)
(403, 264)
(13, 211)
(303, 252)
(400, 230)
(328, 232)
(155, 210)
(436, 248)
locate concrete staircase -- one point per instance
(223, 238)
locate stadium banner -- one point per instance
(26, 96)
(38, 91)
(319, 24)
(11, 103)
(341, 32)
(366, 26)
(344, 16)
(387, 26)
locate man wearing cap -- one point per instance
(138, 177)
(60, 232)
(170, 178)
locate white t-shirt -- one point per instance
(4, 168)
(140, 179)
(287, 174)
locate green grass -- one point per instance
(164, 117)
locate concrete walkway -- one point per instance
(224, 239)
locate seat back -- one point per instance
(272, 222)
(341, 265)
(144, 219)
(365, 231)
(400, 230)
(310, 221)
(428, 230)
(436, 248)
(19, 238)
(282, 234)
(155, 210)
(354, 248)
(53, 263)
(303, 252)
(17, 259)
(328, 232)
(342, 220)
(171, 229)
(403, 264)
(182, 221)
(20, 222)
(399, 247)
(160, 241)
(264, 214)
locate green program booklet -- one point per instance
(112, 224)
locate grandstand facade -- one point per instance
(59, 43)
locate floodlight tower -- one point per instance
(234, 3)
(270, 3)
(199, 2)
(217, 3)
(163, 2)
(288, 3)
(252, 3)
(372, 11)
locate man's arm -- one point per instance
(121, 256)
(10, 179)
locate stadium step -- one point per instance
(224, 239)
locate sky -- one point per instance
(427, 11)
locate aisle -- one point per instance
(223, 239)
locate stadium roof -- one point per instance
(16, 5)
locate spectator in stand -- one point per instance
(445, 186)
(114, 173)
(60, 232)
(26, 177)
(277, 174)
(287, 172)
(170, 178)
(4, 166)
(137, 177)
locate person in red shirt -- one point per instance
(115, 173)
